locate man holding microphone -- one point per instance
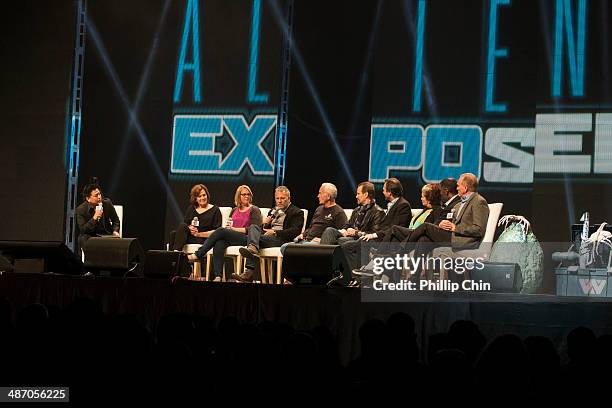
(96, 216)
(283, 224)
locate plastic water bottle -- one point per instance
(99, 207)
(195, 222)
(230, 223)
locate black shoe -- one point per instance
(363, 271)
(250, 252)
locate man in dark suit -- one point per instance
(366, 218)
(398, 213)
(283, 224)
(96, 216)
(448, 192)
(465, 229)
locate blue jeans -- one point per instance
(282, 248)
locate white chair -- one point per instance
(484, 249)
(268, 255)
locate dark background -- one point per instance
(36, 49)
(359, 58)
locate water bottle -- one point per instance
(195, 222)
(230, 223)
(99, 207)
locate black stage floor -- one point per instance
(340, 309)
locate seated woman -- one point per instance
(236, 232)
(201, 219)
(432, 212)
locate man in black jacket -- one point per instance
(283, 224)
(448, 191)
(95, 216)
(366, 218)
(398, 213)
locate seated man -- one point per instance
(327, 214)
(96, 216)
(365, 219)
(448, 193)
(398, 213)
(466, 228)
(283, 224)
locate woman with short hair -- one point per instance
(201, 219)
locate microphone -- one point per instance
(275, 213)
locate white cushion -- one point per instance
(348, 213)
(273, 252)
(119, 211)
(233, 250)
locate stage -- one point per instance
(342, 310)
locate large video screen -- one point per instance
(514, 91)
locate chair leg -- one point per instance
(197, 271)
(208, 262)
(279, 270)
(263, 271)
(270, 271)
(238, 265)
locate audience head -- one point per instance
(581, 343)
(243, 196)
(199, 195)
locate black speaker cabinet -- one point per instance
(309, 264)
(503, 277)
(117, 256)
(166, 264)
(40, 256)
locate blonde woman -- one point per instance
(235, 232)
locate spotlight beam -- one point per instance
(142, 137)
(297, 56)
(144, 79)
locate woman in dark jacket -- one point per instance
(200, 221)
(235, 232)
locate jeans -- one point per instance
(218, 241)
